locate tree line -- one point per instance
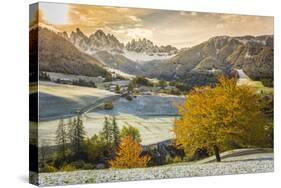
(74, 150)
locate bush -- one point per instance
(169, 159)
(132, 132)
(174, 92)
(88, 166)
(82, 165)
(78, 164)
(108, 106)
(129, 98)
(48, 168)
(177, 159)
(85, 83)
(141, 81)
(67, 168)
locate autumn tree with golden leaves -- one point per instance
(129, 155)
(218, 118)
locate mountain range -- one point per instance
(99, 41)
(89, 55)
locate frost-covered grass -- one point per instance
(169, 171)
(61, 100)
(71, 92)
(152, 115)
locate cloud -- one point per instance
(133, 33)
(90, 18)
(180, 28)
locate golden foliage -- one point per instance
(128, 155)
(226, 115)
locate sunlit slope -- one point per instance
(245, 80)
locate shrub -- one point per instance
(175, 92)
(169, 159)
(48, 168)
(108, 106)
(78, 164)
(129, 97)
(177, 159)
(141, 81)
(68, 168)
(132, 132)
(82, 165)
(96, 147)
(88, 166)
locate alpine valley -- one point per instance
(198, 65)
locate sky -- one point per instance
(163, 27)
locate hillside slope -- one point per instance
(56, 54)
(200, 64)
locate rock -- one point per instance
(100, 166)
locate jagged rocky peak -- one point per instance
(79, 39)
(99, 33)
(78, 34)
(100, 40)
(146, 46)
(64, 35)
(96, 41)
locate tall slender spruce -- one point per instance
(61, 138)
(115, 132)
(77, 135)
(107, 131)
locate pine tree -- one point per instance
(76, 134)
(132, 132)
(71, 133)
(117, 89)
(80, 134)
(115, 132)
(61, 137)
(129, 155)
(130, 87)
(107, 131)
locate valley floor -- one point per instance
(254, 163)
(154, 116)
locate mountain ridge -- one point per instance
(56, 54)
(100, 41)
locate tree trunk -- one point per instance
(217, 153)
